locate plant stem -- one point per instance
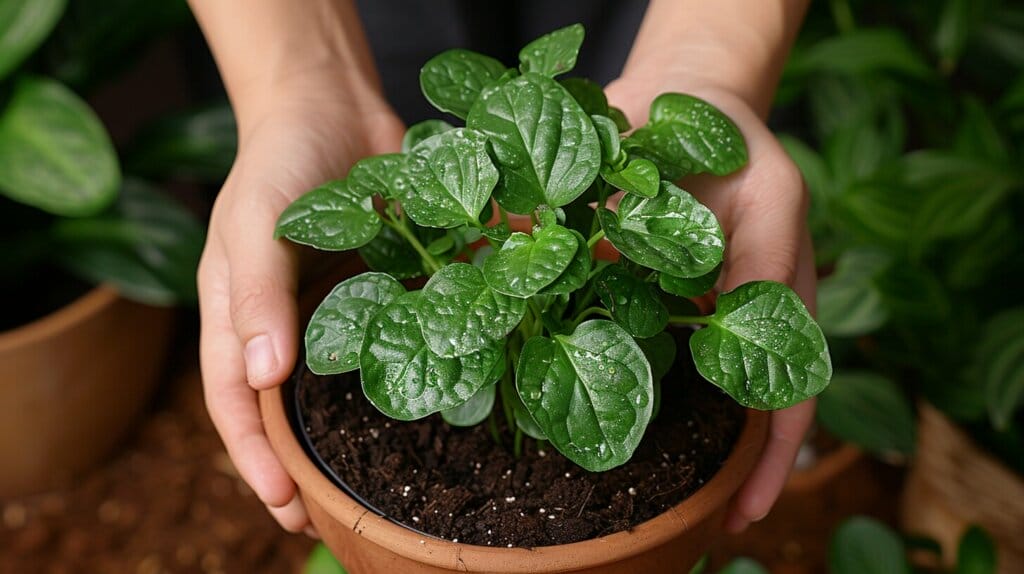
(589, 311)
(517, 443)
(595, 238)
(492, 423)
(688, 320)
(402, 229)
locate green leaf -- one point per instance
(689, 287)
(441, 245)
(913, 293)
(460, 313)
(321, 561)
(633, 302)
(473, 411)
(588, 94)
(686, 134)
(999, 363)
(864, 51)
(545, 144)
(403, 378)
(524, 265)
(672, 232)
(452, 177)
(523, 418)
(639, 177)
(334, 336)
(332, 217)
(24, 24)
(976, 553)
(849, 302)
(377, 175)
(660, 351)
(423, 130)
(870, 411)
(590, 392)
(553, 53)
(453, 79)
(865, 546)
(390, 253)
(878, 212)
(611, 143)
(196, 145)
(148, 246)
(54, 152)
(576, 274)
(743, 566)
(619, 118)
(762, 347)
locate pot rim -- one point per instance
(825, 469)
(350, 514)
(80, 310)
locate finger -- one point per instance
(762, 489)
(262, 299)
(230, 402)
(806, 277)
(292, 516)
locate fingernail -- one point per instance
(259, 358)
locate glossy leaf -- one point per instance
(590, 392)
(377, 175)
(423, 130)
(332, 217)
(864, 546)
(686, 134)
(474, 411)
(976, 553)
(639, 177)
(24, 24)
(452, 177)
(453, 79)
(545, 144)
(692, 287)
(620, 119)
(576, 274)
(660, 351)
(403, 378)
(672, 232)
(762, 347)
(611, 143)
(460, 313)
(588, 94)
(390, 253)
(632, 302)
(54, 152)
(849, 302)
(526, 264)
(998, 359)
(553, 53)
(870, 411)
(523, 420)
(334, 336)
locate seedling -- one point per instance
(575, 346)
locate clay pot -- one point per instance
(954, 484)
(367, 543)
(72, 383)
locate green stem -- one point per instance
(492, 423)
(688, 320)
(595, 238)
(588, 312)
(517, 443)
(408, 235)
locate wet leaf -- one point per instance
(553, 53)
(633, 302)
(423, 130)
(611, 143)
(453, 79)
(332, 217)
(588, 94)
(660, 351)
(376, 175)
(639, 177)
(474, 411)
(692, 287)
(526, 264)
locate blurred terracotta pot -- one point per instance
(72, 383)
(954, 484)
(367, 543)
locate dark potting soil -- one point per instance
(457, 484)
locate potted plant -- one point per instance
(78, 362)
(572, 348)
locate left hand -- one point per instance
(762, 209)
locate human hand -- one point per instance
(247, 280)
(762, 210)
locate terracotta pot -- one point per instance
(72, 383)
(954, 484)
(367, 543)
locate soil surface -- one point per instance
(171, 501)
(457, 484)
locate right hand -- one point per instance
(247, 280)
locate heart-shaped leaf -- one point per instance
(376, 175)
(423, 130)
(588, 94)
(639, 177)
(24, 24)
(762, 347)
(452, 177)
(553, 53)
(543, 141)
(54, 152)
(403, 378)
(461, 314)
(334, 336)
(453, 79)
(576, 274)
(590, 392)
(689, 287)
(633, 302)
(473, 411)
(331, 217)
(850, 303)
(672, 232)
(524, 265)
